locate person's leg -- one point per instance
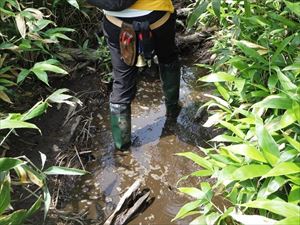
(166, 50)
(123, 90)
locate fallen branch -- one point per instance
(130, 204)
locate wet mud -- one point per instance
(151, 157)
(81, 137)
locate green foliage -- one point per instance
(27, 173)
(32, 36)
(28, 42)
(255, 162)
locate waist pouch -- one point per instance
(128, 44)
(112, 5)
(136, 38)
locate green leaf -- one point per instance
(270, 186)
(246, 150)
(275, 102)
(294, 196)
(47, 201)
(73, 3)
(4, 196)
(226, 138)
(285, 82)
(193, 192)
(294, 67)
(199, 221)
(13, 124)
(22, 75)
(21, 25)
(234, 129)
(272, 82)
(216, 5)
(202, 173)
(198, 11)
(34, 208)
(294, 7)
(197, 159)
(278, 207)
(267, 143)
(253, 54)
(4, 97)
(250, 171)
(294, 220)
(218, 77)
(284, 168)
(35, 111)
(41, 75)
(55, 170)
(16, 218)
(281, 47)
(225, 175)
(247, 8)
(7, 164)
(252, 219)
(293, 142)
(59, 97)
(41, 24)
(283, 20)
(214, 119)
(223, 91)
(187, 208)
(45, 66)
(212, 218)
(219, 100)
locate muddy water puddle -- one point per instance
(151, 157)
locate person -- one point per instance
(160, 14)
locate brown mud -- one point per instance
(80, 137)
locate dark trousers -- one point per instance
(124, 76)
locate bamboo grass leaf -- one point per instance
(275, 102)
(250, 171)
(55, 170)
(197, 159)
(199, 10)
(187, 208)
(289, 221)
(4, 196)
(285, 168)
(278, 207)
(266, 142)
(234, 129)
(246, 150)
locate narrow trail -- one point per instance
(151, 157)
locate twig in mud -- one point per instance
(71, 113)
(78, 156)
(85, 152)
(79, 66)
(57, 195)
(79, 218)
(85, 133)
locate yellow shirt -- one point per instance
(161, 5)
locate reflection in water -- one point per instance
(151, 158)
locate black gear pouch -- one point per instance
(145, 40)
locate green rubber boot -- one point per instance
(120, 118)
(170, 78)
